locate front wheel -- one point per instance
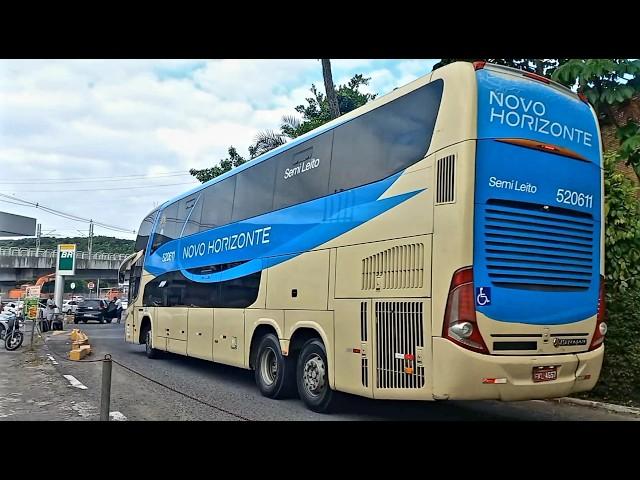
(13, 340)
(68, 312)
(149, 350)
(313, 377)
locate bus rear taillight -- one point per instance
(601, 326)
(460, 325)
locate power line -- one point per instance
(69, 190)
(68, 216)
(100, 179)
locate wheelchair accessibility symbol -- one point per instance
(483, 296)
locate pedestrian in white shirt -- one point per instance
(119, 308)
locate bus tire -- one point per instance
(148, 348)
(274, 373)
(312, 376)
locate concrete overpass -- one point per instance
(19, 265)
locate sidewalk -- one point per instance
(32, 389)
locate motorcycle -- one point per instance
(10, 331)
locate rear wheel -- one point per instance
(274, 373)
(84, 320)
(75, 320)
(312, 377)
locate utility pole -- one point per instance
(38, 235)
(90, 241)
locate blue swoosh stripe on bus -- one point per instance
(293, 230)
(317, 235)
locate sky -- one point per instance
(110, 127)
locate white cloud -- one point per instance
(84, 119)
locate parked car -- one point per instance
(91, 310)
(69, 307)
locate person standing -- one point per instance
(51, 307)
(119, 307)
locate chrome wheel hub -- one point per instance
(268, 366)
(314, 375)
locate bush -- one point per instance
(622, 232)
(620, 378)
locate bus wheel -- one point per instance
(274, 373)
(149, 350)
(313, 377)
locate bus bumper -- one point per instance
(460, 374)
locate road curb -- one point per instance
(600, 405)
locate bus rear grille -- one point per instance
(397, 267)
(399, 332)
(530, 247)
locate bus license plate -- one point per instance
(544, 374)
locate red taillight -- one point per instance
(601, 326)
(460, 325)
(535, 76)
(551, 148)
(583, 97)
(479, 65)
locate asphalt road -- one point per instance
(233, 390)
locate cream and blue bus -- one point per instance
(444, 241)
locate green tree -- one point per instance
(622, 228)
(329, 89)
(316, 112)
(608, 83)
(541, 66)
(313, 115)
(233, 160)
(100, 243)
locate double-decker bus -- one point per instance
(444, 241)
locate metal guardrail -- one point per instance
(44, 253)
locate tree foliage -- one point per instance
(540, 66)
(622, 232)
(233, 160)
(100, 243)
(312, 115)
(620, 376)
(608, 83)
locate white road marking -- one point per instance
(53, 360)
(74, 382)
(117, 416)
